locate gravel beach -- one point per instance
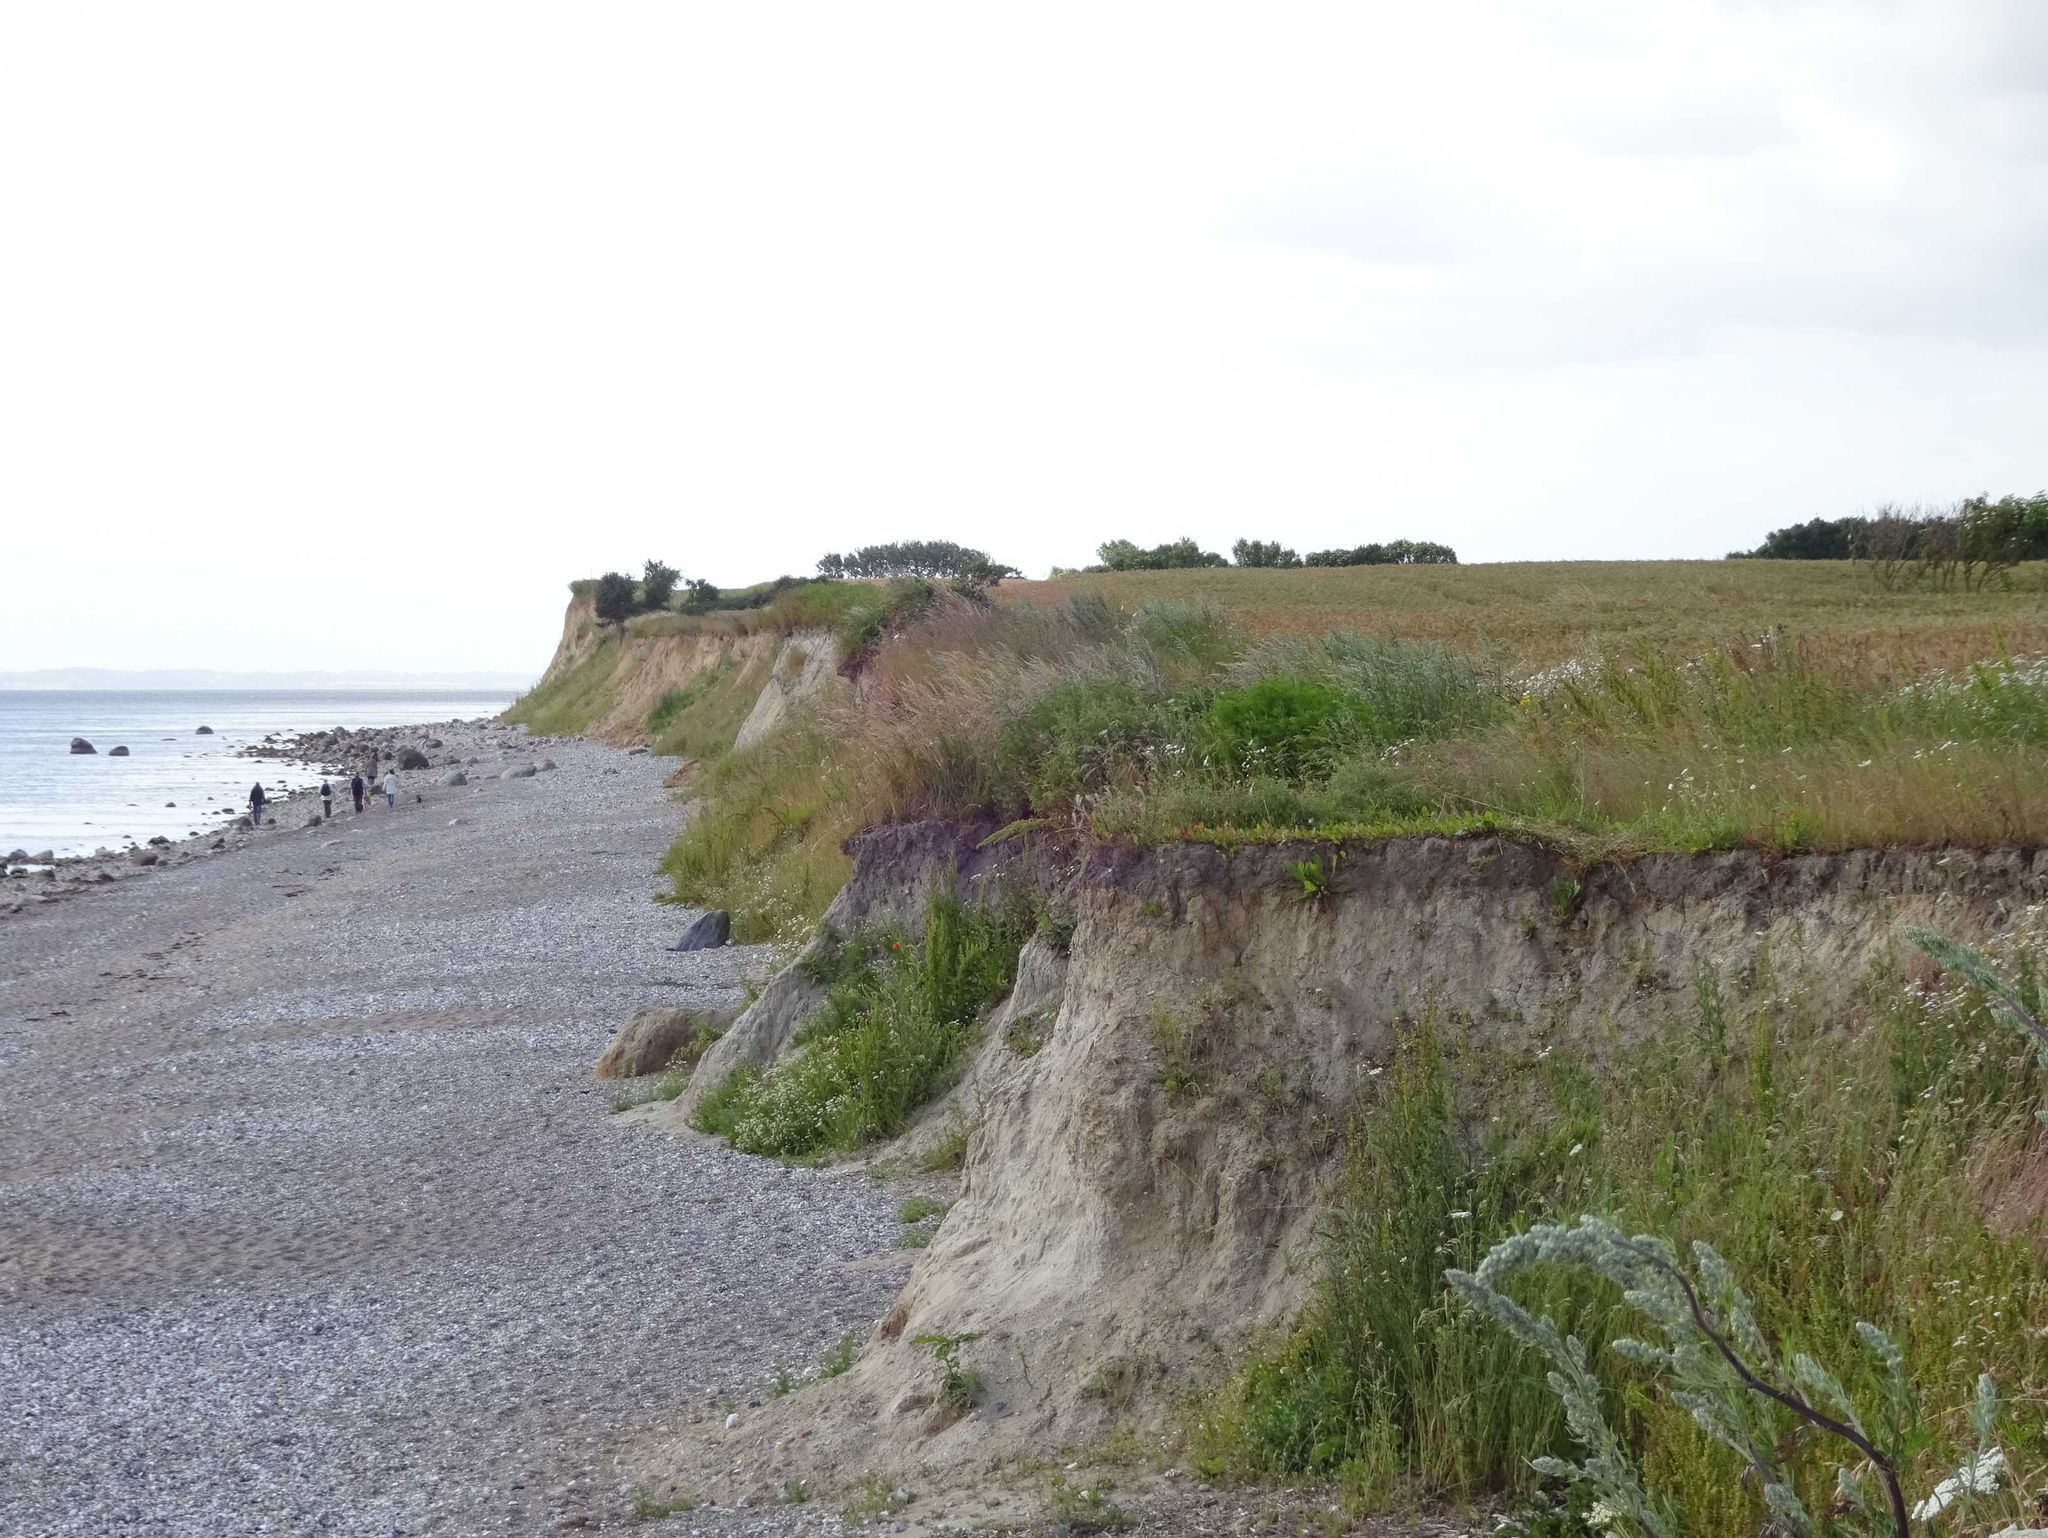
(312, 1219)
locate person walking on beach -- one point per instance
(390, 787)
(256, 799)
(326, 799)
(356, 788)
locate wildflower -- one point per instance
(1835, 1216)
(1577, 1149)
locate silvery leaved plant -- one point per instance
(2005, 1002)
(1720, 1369)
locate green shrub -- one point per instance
(959, 1384)
(897, 1017)
(1290, 728)
(1080, 738)
(876, 612)
(1409, 690)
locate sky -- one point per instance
(346, 336)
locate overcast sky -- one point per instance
(346, 335)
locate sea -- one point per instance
(174, 781)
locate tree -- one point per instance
(1263, 552)
(926, 558)
(1400, 552)
(658, 585)
(615, 595)
(1122, 555)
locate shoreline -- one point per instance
(318, 1219)
(458, 745)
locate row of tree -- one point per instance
(1123, 555)
(1395, 552)
(1968, 544)
(928, 558)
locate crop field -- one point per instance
(1536, 614)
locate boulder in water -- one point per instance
(204, 731)
(80, 745)
(117, 752)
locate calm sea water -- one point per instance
(173, 781)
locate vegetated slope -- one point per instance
(682, 684)
(1781, 705)
(1360, 929)
(1227, 1079)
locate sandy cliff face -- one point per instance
(604, 680)
(1140, 1195)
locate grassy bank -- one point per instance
(1867, 1153)
(900, 1013)
(1782, 705)
(570, 698)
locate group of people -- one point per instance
(358, 787)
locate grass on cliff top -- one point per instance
(817, 605)
(1855, 1151)
(1849, 717)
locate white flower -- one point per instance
(1978, 1476)
(1835, 1216)
(1577, 1148)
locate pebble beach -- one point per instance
(312, 1217)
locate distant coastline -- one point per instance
(183, 679)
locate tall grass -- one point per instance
(1850, 1163)
(1172, 721)
(898, 1017)
(569, 700)
(765, 840)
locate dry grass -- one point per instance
(1540, 613)
(1607, 708)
